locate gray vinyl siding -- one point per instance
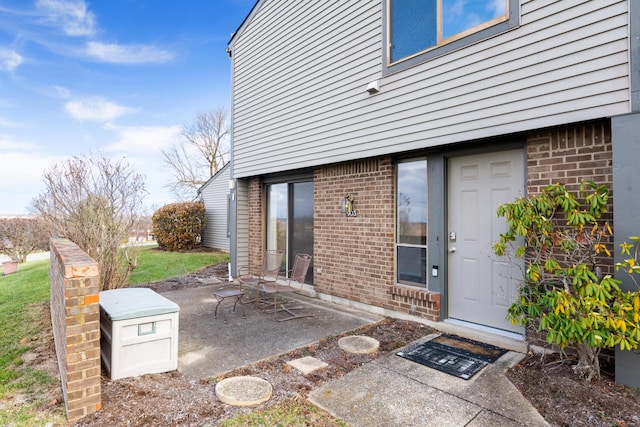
(215, 195)
(301, 69)
(242, 194)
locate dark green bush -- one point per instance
(179, 226)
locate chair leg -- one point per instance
(275, 306)
(283, 307)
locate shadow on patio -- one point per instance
(208, 347)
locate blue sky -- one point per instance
(115, 76)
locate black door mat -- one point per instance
(466, 347)
(458, 361)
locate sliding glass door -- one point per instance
(277, 216)
(290, 221)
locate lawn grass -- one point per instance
(289, 413)
(155, 265)
(23, 296)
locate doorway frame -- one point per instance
(289, 180)
(438, 201)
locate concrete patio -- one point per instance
(389, 391)
(208, 347)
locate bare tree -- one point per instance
(21, 236)
(201, 154)
(95, 202)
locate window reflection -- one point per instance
(277, 216)
(411, 212)
(420, 25)
(460, 16)
(412, 202)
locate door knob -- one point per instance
(452, 250)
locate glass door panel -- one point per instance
(290, 221)
(301, 227)
(277, 218)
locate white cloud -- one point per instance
(24, 167)
(127, 54)
(9, 60)
(96, 109)
(72, 15)
(143, 147)
(62, 92)
(144, 139)
(498, 7)
(21, 174)
(8, 143)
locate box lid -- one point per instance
(130, 303)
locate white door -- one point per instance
(481, 286)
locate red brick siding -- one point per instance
(568, 156)
(356, 254)
(75, 316)
(256, 225)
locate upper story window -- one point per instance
(417, 30)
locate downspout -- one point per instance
(233, 197)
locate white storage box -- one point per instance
(138, 332)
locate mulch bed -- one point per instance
(170, 399)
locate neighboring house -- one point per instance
(429, 117)
(215, 195)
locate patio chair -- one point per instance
(294, 285)
(270, 270)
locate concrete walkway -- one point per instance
(392, 391)
(389, 391)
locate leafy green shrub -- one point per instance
(179, 226)
(565, 292)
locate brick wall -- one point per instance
(75, 316)
(356, 254)
(568, 156)
(256, 225)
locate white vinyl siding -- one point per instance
(301, 69)
(215, 194)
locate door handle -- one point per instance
(452, 250)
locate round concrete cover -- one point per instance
(243, 391)
(359, 344)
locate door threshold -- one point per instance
(498, 337)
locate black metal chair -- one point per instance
(295, 281)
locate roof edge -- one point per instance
(245, 21)
(211, 179)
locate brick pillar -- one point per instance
(75, 316)
(256, 225)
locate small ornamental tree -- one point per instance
(179, 226)
(21, 236)
(95, 202)
(565, 293)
